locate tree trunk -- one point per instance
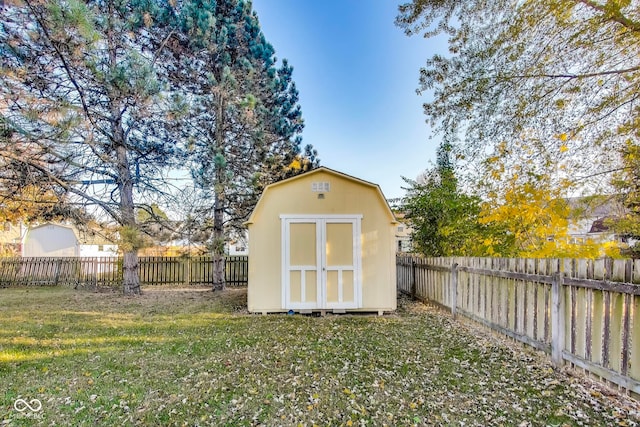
(131, 278)
(218, 206)
(124, 181)
(219, 282)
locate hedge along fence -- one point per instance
(584, 312)
(107, 271)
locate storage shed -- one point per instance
(50, 240)
(322, 241)
(58, 240)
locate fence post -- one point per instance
(186, 265)
(454, 289)
(95, 272)
(57, 264)
(413, 279)
(557, 320)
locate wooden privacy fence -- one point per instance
(585, 312)
(107, 271)
(192, 270)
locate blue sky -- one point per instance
(357, 74)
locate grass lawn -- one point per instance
(194, 357)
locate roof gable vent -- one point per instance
(320, 187)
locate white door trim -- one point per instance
(320, 222)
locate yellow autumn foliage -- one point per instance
(530, 214)
(525, 189)
(537, 218)
(296, 164)
(21, 206)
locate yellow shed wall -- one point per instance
(346, 197)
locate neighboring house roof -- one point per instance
(400, 215)
(599, 225)
(596, 206)
(47, 224)
(324, 169)
(590, 214)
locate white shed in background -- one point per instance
(50, 240)
(57, 240)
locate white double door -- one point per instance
(321, 262)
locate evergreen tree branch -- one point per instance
(65, 64)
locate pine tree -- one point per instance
(84, 106)
(244, 119)
(444, 219)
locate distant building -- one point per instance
(11, 236)
(93, 243)
(591, 217)
(238, 246)
(403, 233)
(57, 240)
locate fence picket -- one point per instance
(107, 271)
(634, 353)
(584, 312)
